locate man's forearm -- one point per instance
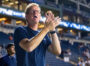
(56, 48)
(32, 43)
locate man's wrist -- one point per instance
(46, 29)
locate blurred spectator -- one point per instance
(9, 59)
(81, 62)
(67, 55)
(2, 51)
(69, 52)
(10, 37)
(80, 47)
(2, 23)
(87, 62)
(86, 53)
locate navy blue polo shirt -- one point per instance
(8, 61)
(37, 56)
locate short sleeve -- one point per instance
(19, 34)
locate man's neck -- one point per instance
(33, 27)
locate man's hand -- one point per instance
(51, 21)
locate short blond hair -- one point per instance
(29, 7)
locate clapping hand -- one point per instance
(51, 21)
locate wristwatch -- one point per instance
(52, 32)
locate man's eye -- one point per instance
(47, 14)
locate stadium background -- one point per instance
(73, 31)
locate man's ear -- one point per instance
(7, 49)
(26, 16)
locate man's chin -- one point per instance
(13, 52)
(36, 22)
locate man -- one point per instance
(30, 43)
(9, 59)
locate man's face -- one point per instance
(34, 15)
(11, 50)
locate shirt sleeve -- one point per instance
(19, 34)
